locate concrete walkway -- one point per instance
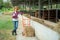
(19, 33)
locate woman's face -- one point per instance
(16, 8)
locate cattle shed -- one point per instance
(46, 9)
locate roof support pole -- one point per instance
(57, 11)
(49, 3)
(39, 5)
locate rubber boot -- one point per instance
(13, 32)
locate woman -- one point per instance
(15, 19)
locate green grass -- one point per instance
(6, 22)
(6, 27)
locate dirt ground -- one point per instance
(6, 35)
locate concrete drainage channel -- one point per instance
(41, 32)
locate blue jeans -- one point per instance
(15, 23)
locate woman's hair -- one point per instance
(16, 7)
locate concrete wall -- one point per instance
(44, 33)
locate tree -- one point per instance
(1, 2)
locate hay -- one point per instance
(57, 27)
(29, 31)
(27, 15)
(38, 20)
